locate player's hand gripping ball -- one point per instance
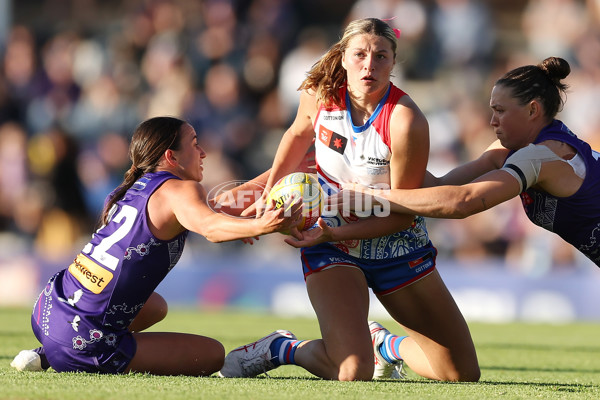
(305, 186)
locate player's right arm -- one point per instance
(492, 158)
(296, 141)
(292, 150)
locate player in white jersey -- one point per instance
(365, 131)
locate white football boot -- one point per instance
(252, 359)
(27, 360)
(384, 369)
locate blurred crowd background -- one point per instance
(77, 76)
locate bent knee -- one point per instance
(207, 361)
(471, 374)
(161, 308)
(215, 358)
(355, 369)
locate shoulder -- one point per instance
(534, 153)
(408, 116)
(308, 103)
(403, 103)
(495, 155)
(177, 190)
(308, 96)
(562, 149)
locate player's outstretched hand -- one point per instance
(257, 208)
(319, 234)
(284, 218)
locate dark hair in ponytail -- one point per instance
(541, 82)
(149, 142)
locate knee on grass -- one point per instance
(356, 369)
(472, 374)
(214, 358)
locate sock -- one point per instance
(283, 351)
(390, 348)
(42, 353)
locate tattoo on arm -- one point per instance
(483, 203)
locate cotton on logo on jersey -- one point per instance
(332, 140)
(92, 276)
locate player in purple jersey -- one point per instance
(366, 130)
(536, 157)
(89, 316)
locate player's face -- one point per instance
(190, 155)
(510, 119)
(368, 61)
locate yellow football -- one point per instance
(305, 186)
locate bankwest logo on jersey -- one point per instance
(92, 276)
(332, 140)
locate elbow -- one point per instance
(465, 208)
(214, 238)
(461, 212)
(212, 235)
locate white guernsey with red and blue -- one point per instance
(346, 153)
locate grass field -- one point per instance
(518, 361)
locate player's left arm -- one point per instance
(454, 202)
(532, 166)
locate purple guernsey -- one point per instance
(94, 300)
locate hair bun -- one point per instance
(555, 68)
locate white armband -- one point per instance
(525, 164)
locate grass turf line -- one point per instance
(518, 361)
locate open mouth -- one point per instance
(368, 78)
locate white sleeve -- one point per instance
(525, 164)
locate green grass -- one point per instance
(518, 361)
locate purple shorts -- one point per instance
(97, 357)
(383, 276)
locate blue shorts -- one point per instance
(99, 358)
(383, 276)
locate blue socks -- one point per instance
(390, 348)
(283, 351)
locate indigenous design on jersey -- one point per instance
(42, 308)
(346, 153)
(576, 218)
(142, 249)
(96, 335)
(94, 300)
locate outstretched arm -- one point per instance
(533, 165)
(492, 158)
(179, 205)
(445, 201)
